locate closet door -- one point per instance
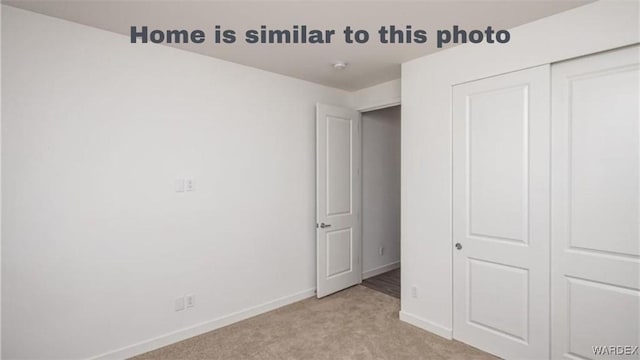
(595, 197)
(501, 154)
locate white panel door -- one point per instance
(596, 220)
(338, 184)
(501, 139)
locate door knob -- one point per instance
(323, 225)
(458, 246)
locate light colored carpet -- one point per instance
(356, 323)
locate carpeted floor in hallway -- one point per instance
(356, 323)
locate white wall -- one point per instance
(377, 96)
(426, 136)
(380, 190)
(96, 243)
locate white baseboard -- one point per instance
(380, 270)
(427, 325)
(203, 327)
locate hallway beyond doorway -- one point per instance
(387, 283)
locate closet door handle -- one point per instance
(458, 246)
(323, 225)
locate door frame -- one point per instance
(377, 106)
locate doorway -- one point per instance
(357, 192)
(381, 140)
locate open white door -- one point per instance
(501, 170)
(338, 230)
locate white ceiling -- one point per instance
(369, 64)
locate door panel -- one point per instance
(498, 164)
(339, 252)
(503, 311)
(339, 144)
(501, 136)
(338, 234)
(596, 196)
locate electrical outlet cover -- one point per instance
(190, 300)
(179, 304)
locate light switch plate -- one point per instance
(179, 185)
(179, 304)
